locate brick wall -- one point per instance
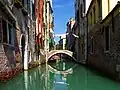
(105, 61)
(4, 63)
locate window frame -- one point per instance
(105, 45)
(91, 18)
(8, 32)
(1, 31)
(92, 45)
(94, 13)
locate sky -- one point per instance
(63, 11)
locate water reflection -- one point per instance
(26, 80)
(60, 76)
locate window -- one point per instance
(5, 33)
(23, 2)
(78, 16)
(107, 38)
(33, 11)
(99, 9)
(28, 5)
(84, 5)
(94, 11)
(82, 48)
(11, 34)
(81, 10)
(91, 17)
(0, 30)
(108, 5)
(92, 45)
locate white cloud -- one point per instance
(58, 6)
(70, 3)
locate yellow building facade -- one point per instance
(93, 13)
(99, 9)
(107, 7)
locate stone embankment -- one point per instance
(8, 66)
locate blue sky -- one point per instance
(63, 10)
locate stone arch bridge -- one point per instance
(46, 56)
(54, 52)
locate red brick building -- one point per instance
(39, 7)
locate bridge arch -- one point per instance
(54, 52)
(53, 70)
(67, 71)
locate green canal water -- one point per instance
(60, 76)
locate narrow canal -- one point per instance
(60, 76)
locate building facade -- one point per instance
(96, 22)
(13, 36)
(81, 7)
(17, 35)
(62, 42)
(103, 39)
(7, 39)
(25, 26)
(69, 35)
(49, 26)
(39, 11)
